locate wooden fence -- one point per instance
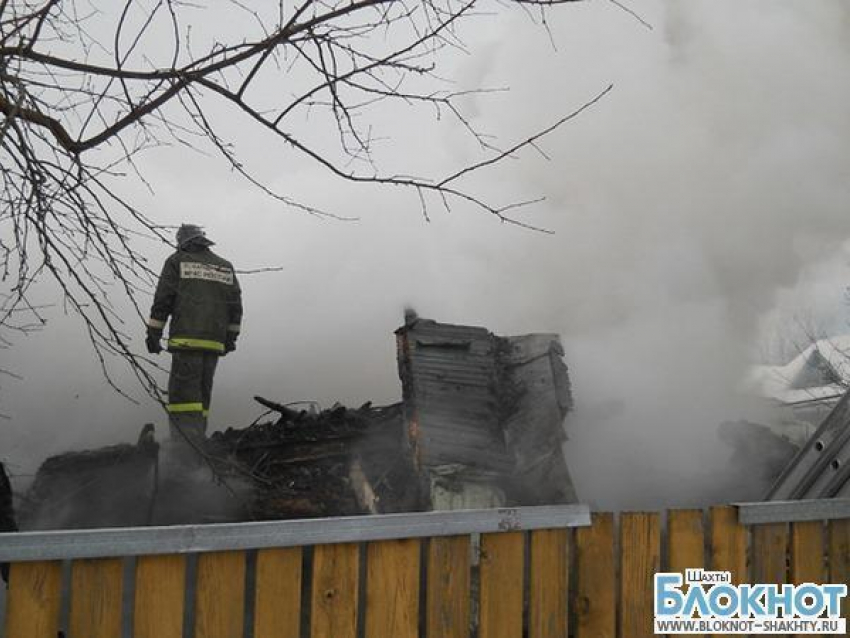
(551, 577)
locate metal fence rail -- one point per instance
(827, 509)
(184, 539)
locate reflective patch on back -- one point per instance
(207, 272)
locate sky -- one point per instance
(698, 216)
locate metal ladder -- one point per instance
(821, 468)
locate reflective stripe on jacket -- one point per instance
(199, 292)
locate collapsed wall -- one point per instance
(484, 415)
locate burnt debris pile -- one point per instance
(339, 461)
(107, 487)
(480, 424)
(303, 464)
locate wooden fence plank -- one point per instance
(548, 593)
(595, 610)
(839, 559)
(728, 543)
(770, 551)
(220, 595)
(448, 587)
(640, 559)
(501, 585)
(277, 606)
(96, 590)
(160, 596)
(807, 553)
(392, 589)
(33, 599)
(335, 589)
(685, 542)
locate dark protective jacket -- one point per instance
(200, 292)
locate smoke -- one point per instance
(711, 176)
(121, 486)
(715, 171)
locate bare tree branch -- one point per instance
(85, 88)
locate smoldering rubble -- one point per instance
(480, 424)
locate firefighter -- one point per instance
(199, 291)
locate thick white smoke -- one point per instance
(715, 171)
(711, 175)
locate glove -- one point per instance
(152, 341)
(230, 342)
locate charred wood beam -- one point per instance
(281, 409)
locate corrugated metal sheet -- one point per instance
(488, 403)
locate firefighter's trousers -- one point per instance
(189, 393)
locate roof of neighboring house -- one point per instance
(820, 371)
